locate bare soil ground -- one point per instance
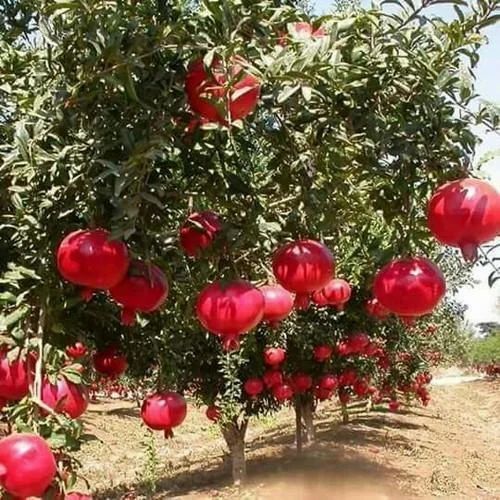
(450, 449)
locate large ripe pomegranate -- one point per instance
(409, 287)
(272, 378)
(301, 382)
(319, 298)
(322, 353)
(282, 392)
(328, 382)
(278, 304)
(337, 292)
(303, 266)
(90, 259)
(110, 362)
(465, 214)
(143, 289)
(230, 309)
(199, 232)
(274, 356)
(224, 94)
(14, 376)
(77, 350)
(27, 466)
(163, 411)
(253, 387)
(65, 397)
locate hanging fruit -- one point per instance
(303, 267)
(301, 382)
(319, 298)
(253, 387)
(213, 413)
(322, 353)
(230, 309)
(90, 259)
(337, 293)
(163, 411)
(65, 397)
(27, 466)
(278, 304)
(272, 377)
(110, 362)
(375, 309)
(409, 287)
(199, 232)
(274, 356)
(465, 214)
(15, 376)
(77, 350)
(282, 392)
(144, 289)
(222, 94)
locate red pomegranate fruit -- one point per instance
(278, 304)
(322, 394)
(393, 405)
(27, 466)
(303, 267)
(348, 377)
(253, 387)
(110, 362)
(301, 382)
(337, 292)
(224, 93)
(76, 351)
(65, 397)
(319, 299)
(163, 411)
(143, 289)
(375, 309)
(328, 382)
(90, 259)
(272, 378)
(357, 343)
(409, 287)
(274, 356)
(230, 309)
(15, 376)
(322, 353)
(199, 232)
(465, 214)
(282, 392)
(213, 413)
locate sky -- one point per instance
(480, 299)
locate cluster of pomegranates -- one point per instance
(92, 260)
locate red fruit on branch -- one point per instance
(27, 466)
(301, 382)
(272, 378)
(282, 392)
(65, 397)
(361, 388)
(409, 287)
(15, 376)
(328, 382)
(224, 93)
(343, 348)
(303, 267)
(337, 292)
(278, 304)
(322, 353)
(393, 405)
(319, 298)
(274, 356)
(90, 259)
(348, 377)
(230, 309)
(163, 411)
(199, 232)
(213, 413)
(465, 214)
(374, 308)
(77, 350)
(357, 343)
(110, 362)
(322, 394)
(253, 387)
(144, 289)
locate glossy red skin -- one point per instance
(14, 377)
(376, 309)
(319, 298)
(110, 362)
(253, 387)
(272, 378)
(90, 259)
(282, 392)
(278, 303)
(409, 287)
(322, 353)
(163, 411)
(328, 382)
(301, 382)
(213, 413)
(195, 239)
(229, 309)
(303, 266)
(143, 289)
(78, 350)
(465, 214)
(337, 292)
(274, 356)
(27, 466)
(348, 377)
(208, 95)
(65, 397)
(361, 388)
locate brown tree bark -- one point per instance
(234, 435)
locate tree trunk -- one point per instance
(308, 418)
(369, 404)
(345, 414)
(298, 424)
(234, 434)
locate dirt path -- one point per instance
(450, 449)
